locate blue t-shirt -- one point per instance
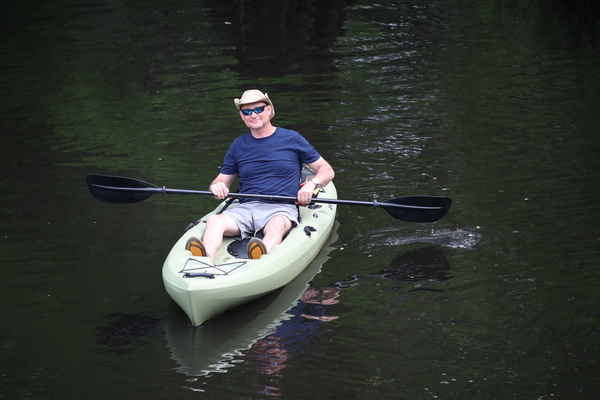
(270, 165)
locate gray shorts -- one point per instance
(252, 216)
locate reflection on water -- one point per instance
(462, 238)
(428, 263)
(459, 238)
(125, 332)
(420, 264)
(270, 354)
(266, 334)
(291, 337)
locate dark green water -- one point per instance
(492, 103)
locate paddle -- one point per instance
(115, 189)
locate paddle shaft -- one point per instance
(115, 189)
(163, 190)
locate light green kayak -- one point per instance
(204, 289)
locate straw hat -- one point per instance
(253, 96)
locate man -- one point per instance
(267, 160)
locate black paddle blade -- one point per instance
(440, 206)
(115, 189)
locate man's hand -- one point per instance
(305, 193)
(219, 189)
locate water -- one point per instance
(491, 103)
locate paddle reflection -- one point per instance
(423, 264)
(426, 263)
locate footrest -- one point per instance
(239, 248)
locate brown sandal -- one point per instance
(196, 246)
(256, 249)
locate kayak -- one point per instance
(205, 288)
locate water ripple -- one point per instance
(460, 238)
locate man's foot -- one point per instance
(196, 246)
(256, 248)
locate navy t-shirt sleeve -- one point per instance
(308, 154)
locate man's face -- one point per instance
(257, 118)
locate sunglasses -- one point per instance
(257, 110)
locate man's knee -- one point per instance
(221, 222)
(279, 223)
(215, 219)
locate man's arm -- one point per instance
(323, 175)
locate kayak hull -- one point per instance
(226, 282)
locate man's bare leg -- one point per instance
(217, 226)
(275, 229)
